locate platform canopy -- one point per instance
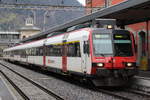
(128, 12)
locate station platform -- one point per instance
(144, 73)
(5, 92)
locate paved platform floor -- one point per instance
(144, 73)
(5, 93)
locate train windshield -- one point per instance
(102, 44)
(122, 45)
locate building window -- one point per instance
(4, 36)
(15, 36)
(88, 1)
(54, 50)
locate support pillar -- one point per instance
(147, 30)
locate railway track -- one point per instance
(22, 94)
(25, 97)
(142, 93)
(114, 94)
(123, 94)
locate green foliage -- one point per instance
(10, 20)
(7, 17)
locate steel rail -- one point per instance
(113, 94)
(142, 93)
(116, 95)
(49, 92)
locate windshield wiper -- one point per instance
(102, 55)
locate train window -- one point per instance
(40, 51)
(23, 53)
(11, 54)
(70, 50)
(33, 51)
(54, 50)
(27, 52)
(73, 50)
(121, 37)
(37, 52)
(49, 50)
(58, 49)
(122, 45)
(102, 44)
(101, 36)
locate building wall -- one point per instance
(94, 3)
(98, 3)
(28, 33)
(7, 39)
(101, 3)
(114, 2)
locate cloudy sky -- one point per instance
(82, 2)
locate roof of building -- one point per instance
(128, 12)
(9, 32)
(29, 28)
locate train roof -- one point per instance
(50, 40)
(71, 36)
(27, 45)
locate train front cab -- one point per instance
(113, 57)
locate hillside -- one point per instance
(13, 19)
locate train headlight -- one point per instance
(129, 64)
(100, 64)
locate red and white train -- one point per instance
(105, 56)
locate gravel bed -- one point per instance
(30, 90)
(65, 89)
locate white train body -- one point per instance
(103, 55)
(74, 64)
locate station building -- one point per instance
(7, 39)
(140, 30)
(11, 38)
(29, 29)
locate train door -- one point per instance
(44, 55)
(85, 55)
(64, 53)
(142, 58)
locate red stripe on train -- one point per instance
(44, 60)
(64, 63)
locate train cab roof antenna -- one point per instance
(104, 23)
